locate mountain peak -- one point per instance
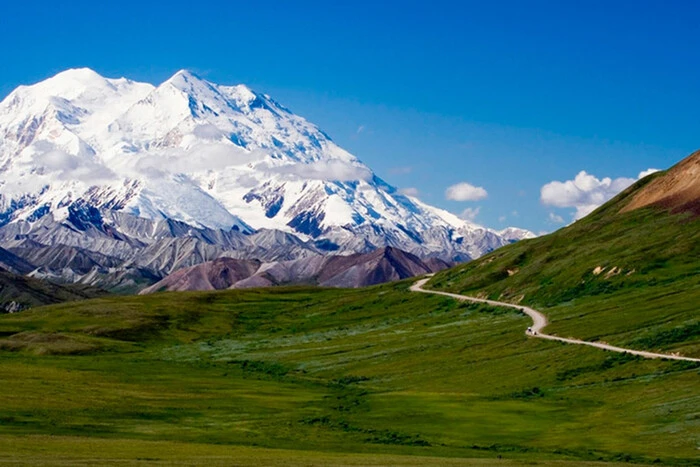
(185, 74)
(67, 84)
(80, 73)
(186, 80)
(84, 77)
(209, 156)
(191, 83)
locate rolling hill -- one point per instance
(628, 273)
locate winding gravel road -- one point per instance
(539, 321)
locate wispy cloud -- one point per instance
(470, 213)
(400, 170)
(51, 163)
(203, 156)
(325, 170)
(555, 218)
(69, 167)
(409, 191)
(217, 156)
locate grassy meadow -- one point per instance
(308, 376)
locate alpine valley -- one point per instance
(117, 184)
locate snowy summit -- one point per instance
(101, 155)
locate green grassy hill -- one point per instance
(234, 375)
(381, 376)
(629, 278)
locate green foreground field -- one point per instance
(304, 376)
(81, 451)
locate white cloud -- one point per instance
(216, 156)
(465, 192)
(209, 132)
(646, 172)
(69, 167)
(400, 170)
(336, 171)
(470, 213)
(409, 191)
(360, 129)
(208, 155)
(247, 181)
(585, 192)
(201, 157)
(555, 218)
(502, 219)
(48, 163)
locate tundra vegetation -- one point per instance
(308, 375)
(379, 375)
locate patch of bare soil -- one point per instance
(677, 191)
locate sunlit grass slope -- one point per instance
(629, 278)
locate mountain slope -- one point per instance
(628, 273)
(18, 292)
(678, 190)
(13, 263)
(113, 166)
(357, 270)
(219, 274)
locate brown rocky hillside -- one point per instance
(677, 190)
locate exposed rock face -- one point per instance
(219, 274)
(358, 270)
(14, 263)
(59, 251)
(13, 307)
(677, 190)
(383, 265)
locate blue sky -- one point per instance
(507, 96)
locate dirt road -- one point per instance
(539, 321)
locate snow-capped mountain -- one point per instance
(114, 166)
